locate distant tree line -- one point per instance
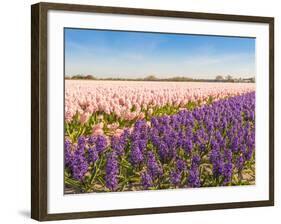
(229, 78)
(219, 78)
(90, 77)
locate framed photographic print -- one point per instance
(140, 111)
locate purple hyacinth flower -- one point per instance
(93, 155)
(101, 143)
(194, 178)
(187, 146)
(154, 168)
(194, 175)
(68, 153)
(227, 172)
(181, 165)
(91, 140)
(239, 163)
(118, 145)
(79, 165)
(111, 170)
(175, 178)
(136, 156)
(81, 141)
(195, 162)
(146, 180)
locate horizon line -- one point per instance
(155, 76)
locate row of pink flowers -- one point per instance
(128, 99)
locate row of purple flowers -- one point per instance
(203, 147)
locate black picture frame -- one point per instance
(39, 108)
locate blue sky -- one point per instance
(138, 54)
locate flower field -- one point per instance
(129, 135)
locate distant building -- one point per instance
(249, 80)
